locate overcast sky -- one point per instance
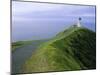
(41, 20)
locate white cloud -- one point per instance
(25, 7)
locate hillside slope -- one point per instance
(71, 49)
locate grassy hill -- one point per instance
(71, 49)
(18, 44)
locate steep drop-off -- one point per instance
(71, 49)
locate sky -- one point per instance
(34, 21)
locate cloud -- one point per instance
(29, 10)
(35, 13)
(45, 20)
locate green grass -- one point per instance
(19, 44)
(71, 49)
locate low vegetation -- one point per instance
(71, 49)
(17, 45)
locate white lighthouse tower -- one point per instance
(79, 22)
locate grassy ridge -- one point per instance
(19, 44)
(72, 49)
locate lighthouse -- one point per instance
(79, 22)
